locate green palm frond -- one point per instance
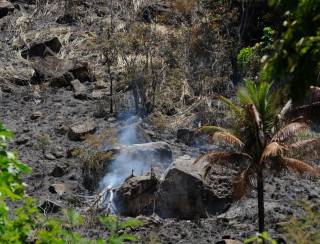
(259, 96)
(235, 109)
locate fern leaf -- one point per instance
(285, 110)
(228, 138)
(289, 131)
(211, 129)
(237, 110)
(300, 166)
(272, 150)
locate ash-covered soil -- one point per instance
(41, 115)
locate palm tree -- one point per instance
(258, 137)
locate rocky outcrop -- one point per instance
(59, 189)
(43, 48)
(79, 89)
(19, 73)
(185, 194)
(136, 196)
(79, 130)
(5, 8)
(60, 72)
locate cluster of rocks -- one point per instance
(181, 191)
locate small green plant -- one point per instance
(260, 238)
(246, 55)
(54, 231)
(113, 224)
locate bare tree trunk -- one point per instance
(260, 200)
(111, 89)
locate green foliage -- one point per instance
(266, 41)
(249, 59)
(72, 217)
(114, 225)
(259, 95)
(260, 238)
(306, 228)
(20, 221)
(296, 60)
(15, 223)
(246, 55)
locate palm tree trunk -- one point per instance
(260, 201)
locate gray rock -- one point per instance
(60, 72)
(22, 140)
(79, 130)
(99, 94)
(19, 73)
(101, 84)
(136, 196)
(58, 171)
(61, 129)
(5, 8)
(133, 134)
(59, 189)
(36, 115)
(42, 48)
(185, 194)
(58, 152)
(49, 156)
(79, 89)
(153, 153)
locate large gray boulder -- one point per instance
(186, 194)
(80, 90)
(5, 8)
(42, 48)
(79, 130)
(136, 196)
(18, 72)
(154, 153)
(60, 72)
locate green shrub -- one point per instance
(295, 62)
(15, 222)
(246, 55)
(113, 225)
(260, 238)
(20, 220)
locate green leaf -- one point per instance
(128, 237)
(131, 223)
(73, 217)
(110, 222)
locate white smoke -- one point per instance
(124, 165)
